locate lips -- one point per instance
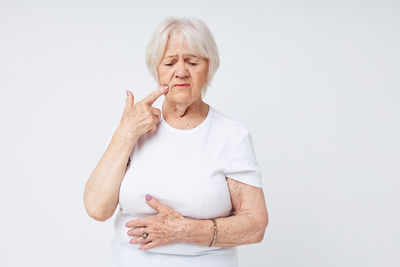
(181, 84)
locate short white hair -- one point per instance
(198, 37)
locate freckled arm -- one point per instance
(247, 225)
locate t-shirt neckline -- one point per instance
(195, 129)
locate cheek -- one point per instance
(200, 74)
(165, 74)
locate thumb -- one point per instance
(157, 205)
(129, 99)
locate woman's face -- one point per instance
(179, 67)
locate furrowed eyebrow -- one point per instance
(185, 55)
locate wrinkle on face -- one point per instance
(179, 65)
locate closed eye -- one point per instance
(170, 64)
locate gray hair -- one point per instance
(198, 38)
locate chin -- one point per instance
(180, 98)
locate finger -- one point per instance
(139, 240)
(140, 222)
(129, 99)
(157, 205)
(129, 102)
(136, 231)
(150, 245)
(157, 120)
(152, 130)
(157, 113)
(151, 98)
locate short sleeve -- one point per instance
(243, 165)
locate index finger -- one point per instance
(140, 222)
(151, 98)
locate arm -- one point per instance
(246, 226)
(102, 188)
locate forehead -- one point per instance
(176, 47)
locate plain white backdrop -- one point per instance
(317, 83)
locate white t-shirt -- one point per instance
(187, 170)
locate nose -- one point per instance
(181, 71)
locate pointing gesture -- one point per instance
(151, 98)
(142, 118)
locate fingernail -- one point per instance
(148, 197)
(127, 92)
(166, 87)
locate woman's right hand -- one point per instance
(141, 118)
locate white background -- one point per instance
(317, 82)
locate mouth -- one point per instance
(181, 85)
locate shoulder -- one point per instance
(228, 126)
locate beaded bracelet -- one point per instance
(215, 233)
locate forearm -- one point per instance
(102, 188)
(234, 230)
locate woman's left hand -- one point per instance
(166, 227)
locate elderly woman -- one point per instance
(185, 175)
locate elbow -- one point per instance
(260, 236)
(98, 216)
(262, 226)
(97, 213)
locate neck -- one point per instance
(184, 115)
